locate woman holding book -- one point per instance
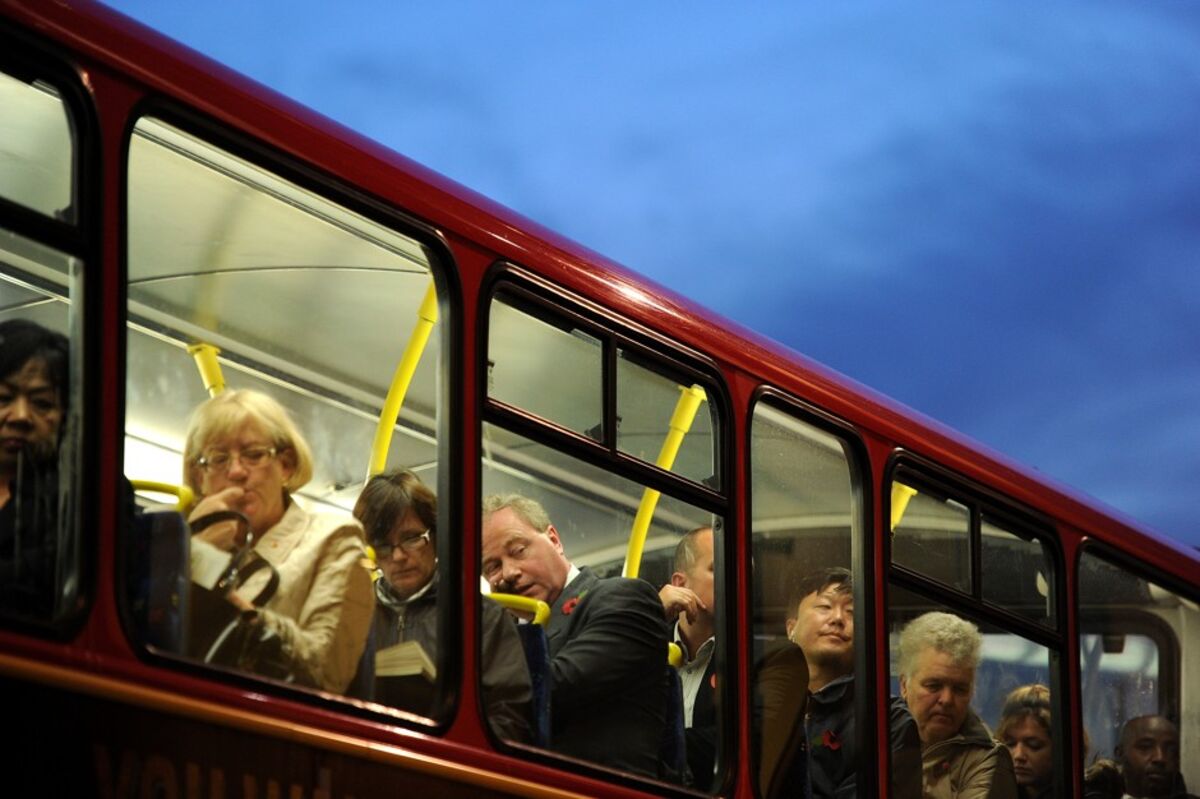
(399, 514)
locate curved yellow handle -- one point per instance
(674, 655)
(524, 604)
(184, 495)
(427, 316)
(205, 356)
(690, 398)
(901, 495)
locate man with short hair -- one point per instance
(607, 639)
(1149, 758)
(689, 599)
(821, 623)
(939, 653)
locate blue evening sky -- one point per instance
(988, 211)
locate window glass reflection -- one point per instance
(35, 137)
(931, 535)
(1135, 656)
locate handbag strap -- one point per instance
(257, 564)
(209, 519)
(246, 561)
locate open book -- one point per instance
(405, 659)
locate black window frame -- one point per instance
(27, 57)
(444, 271)
(1156, 629)
(506, 280)
(862, 558)
(912, 469)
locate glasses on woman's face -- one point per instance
(412, 543)
(219, 461)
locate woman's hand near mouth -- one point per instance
(226, 535)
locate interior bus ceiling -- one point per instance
(315, 304)
(37, 166)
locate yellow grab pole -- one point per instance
(427, 316)
(901, 494)
(524, 604)
(690, 398)
(183, 494)
(210, 371)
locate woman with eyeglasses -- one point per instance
(1025, 729)
(399, 513)
(243, 453)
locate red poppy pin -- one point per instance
(830, 739)
(569, 605)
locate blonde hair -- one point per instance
(945, 632)
(222, 415)
(528, 510)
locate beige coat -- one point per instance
(968, 766)
(323, 608)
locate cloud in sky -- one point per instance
(987, 211)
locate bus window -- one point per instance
(805, 512)
(642, 394)
(1137, 652)
(35, 131)
(266, 324)
(519, 375)
(976, 648)
(959, 542)
(40, 369)
(625, 561)
(973, 690)
(1017, 572)
(932, 536)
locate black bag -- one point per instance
(221, 634)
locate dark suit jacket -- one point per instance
(608, 651)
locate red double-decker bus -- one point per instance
(183, 232)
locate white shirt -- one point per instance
(691, 673)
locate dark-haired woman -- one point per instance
(399, 514)
(33, 390)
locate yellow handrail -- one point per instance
(674, 655)
(901, 495)
(205, 356)
(523, 604)
(690, 398)
(183, 495)
(427, 316)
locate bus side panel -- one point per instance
(73, 744)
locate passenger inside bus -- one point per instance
(33, 390)
(1149, 757)
(243, 453)
(939, 653)
(607, 640)
(1025, 729)
(821, 623)
(688, 599)
(399, 514)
